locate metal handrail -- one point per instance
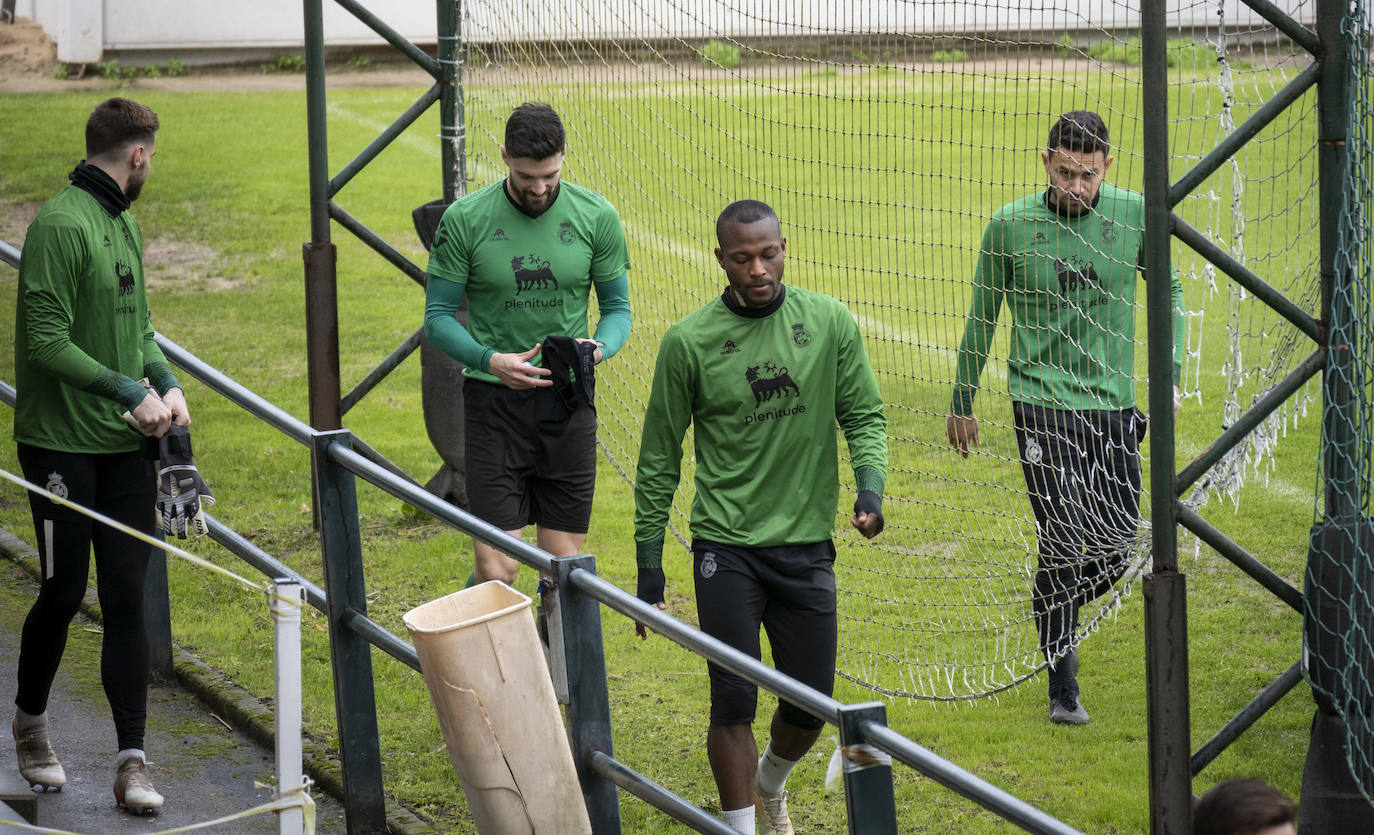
(822, 706)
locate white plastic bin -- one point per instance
(487, 678)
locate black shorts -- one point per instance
(527, 460)
(790, 591)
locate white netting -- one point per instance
(886, 134)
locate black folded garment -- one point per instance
(568, 359)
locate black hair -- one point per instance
(1241, 806)
(743, 211)
(117, 122)
(1080, 131)
(534, 131)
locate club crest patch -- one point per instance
(800, 336)
(565, 233)
(56, 486)
(1034, 455)
(1108, 230)
(708, 565)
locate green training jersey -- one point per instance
(763, 394)
(82, 328)
(527, 277)
(1071, 285)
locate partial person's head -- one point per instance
(533, 151)
(751, 251)
(121, 140)
(1245, 807)
(1076, 156)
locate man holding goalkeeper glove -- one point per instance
(763, 374)
(83, 338)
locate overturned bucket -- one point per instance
(490, 686)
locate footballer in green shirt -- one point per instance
(527, 252)
(763, 374)
(1066, 262)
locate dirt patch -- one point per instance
(25, 51)
(178, 265)
(168, 264)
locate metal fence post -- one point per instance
(589, 705)
(351, 654)
(868, 793)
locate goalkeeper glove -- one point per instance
(181, 492)
(870, 502)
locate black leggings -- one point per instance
(1082, 472)
(121, 486)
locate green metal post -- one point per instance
(1166, 606)
(355, 702)
(1333, 115)
(321, 276)
(589, 706)
(452, 129)
(868, 792)
(1332, 799)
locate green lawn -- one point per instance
(883, 180)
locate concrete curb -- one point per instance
(238, 706)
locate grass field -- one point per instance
(884, 180)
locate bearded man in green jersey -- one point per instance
(1066, 262)
(527, 251)
(83, 337)
(763, 374)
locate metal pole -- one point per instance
(321, 290)
(285, 600)
(1166, 602)
(589, 705)
(452, 129)
(355, 702)
(1333, 115)
(868, 796)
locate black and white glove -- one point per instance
(182, 494)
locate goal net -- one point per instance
(886, 134)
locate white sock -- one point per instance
(25, 722)
(773, 770)
(130, 754)
(741, 820)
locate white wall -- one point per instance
(84, 28)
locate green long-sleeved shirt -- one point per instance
(1070, 283)
(525, 277)
(764, 394)
(83, 333)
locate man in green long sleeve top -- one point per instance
(1065, 261)
(528, 251)
(763, 374)
(83, 337)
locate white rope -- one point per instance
(298, 798)
(139, 535)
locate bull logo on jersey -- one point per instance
(800, 336)
(1076, 273)
(532, 273)
(126, 278)
(565, 233)
(780, 383)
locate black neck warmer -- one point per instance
(101, 186)
(733, 303)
